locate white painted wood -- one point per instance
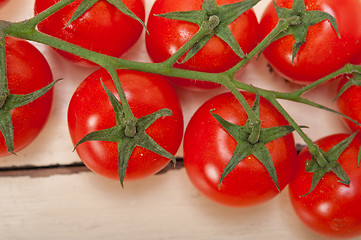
(166, 206)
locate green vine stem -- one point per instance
(313, 148)
(126, 108)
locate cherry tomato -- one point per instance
(3, 2)
(27, 71)
(90, 110)
(324, 52)
(332, 208)
(167, 36)
(103, 28)
(208, 148)
(349, 103)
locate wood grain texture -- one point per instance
(86, 206)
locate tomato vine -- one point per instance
(213, 21)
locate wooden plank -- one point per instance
(166, 206)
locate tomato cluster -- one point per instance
(331, 208)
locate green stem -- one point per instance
(30, 24)
(105, 60)
(253, 120)
(313, 148)
(348, 68)
(127, 111)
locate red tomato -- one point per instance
(27, 71)
(103, 28)
(91, 110)
(208, 148)
(349, 103)
(332, 208)
(3, 2)
(167, 36)
(324, 52)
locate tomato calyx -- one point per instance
(86, 5)
(128, 133)
(324, 162)
(301, 21)
(251, 139)
(11, 102)
(219, 17)
(354, 80)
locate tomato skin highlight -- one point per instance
(324, 52)
(167, 36)
(27, 71)
(90, 110)
(332, 208)
(103, 28)
(208, 148)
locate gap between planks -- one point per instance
(56, 169)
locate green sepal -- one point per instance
(197, 17)
(13, 101)
(234, 10)
(270, 134)
(359, 157)
(6, 128)
(355, 80)
(16, 100)
(316, 178)
(145, 141)
(196, 47)
(226, 14)
(226, 35)
(113, 134)
(117, 106)
(329, 163)
(262, 154)
(334, 153)
(4, 91)
(125, 150)
(85, 5)
(126, 143)
(121, 7)
(305, 20)
(245, 148)
(236, 131)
